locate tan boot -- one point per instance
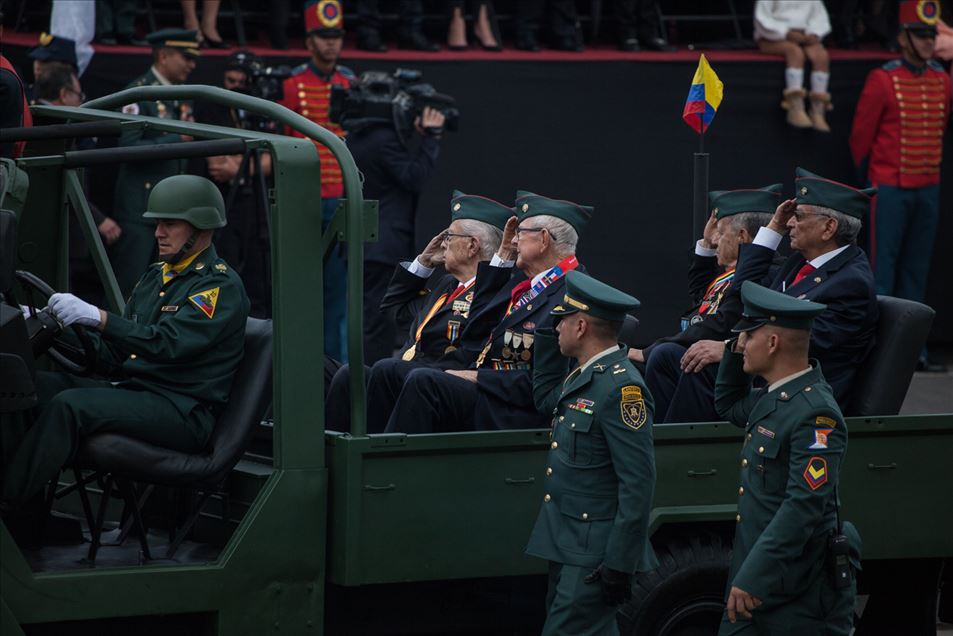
(794, 103)
(820, 104)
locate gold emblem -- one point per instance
(803, 191)
(632, 407)
(525, 207)
(450, 349)
(45, 39)
(456, 207)
(817, 279)
(199, 266)
(221, 267)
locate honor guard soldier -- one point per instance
(438, 313)
(897, 145)
(51, 51)
(793, 562)
(166, 363)
(173, 58)
(496, 391)
(308, 93)
(680, 369)
(600, 475)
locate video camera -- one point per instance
(263, 81)
(378, 97)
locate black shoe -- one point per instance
(371, 42)
(569, 43)
(657, 44)
(527, 42)
(417, 41)
(630, 44)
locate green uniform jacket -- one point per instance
(600, 475)
(182, 339)
(136, 178)
(795, 440)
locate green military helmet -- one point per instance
(765, 306)
(188, 198)
(586, 294)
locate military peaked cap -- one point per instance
(53, 48)
(529, 204)
(919, 16)
(588, 295)
(471, 206)
(179, 39)
(812, 189)
(323, 18)
(730, 202)
(764, 306)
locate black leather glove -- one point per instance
(616, 586)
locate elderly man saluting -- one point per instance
(496, 391)
(438, 314)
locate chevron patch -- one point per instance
(816, 472)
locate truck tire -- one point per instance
(685, 595)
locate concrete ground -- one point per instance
(931, 392)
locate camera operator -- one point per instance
(308, 92)
(396, 166)
(243, 181)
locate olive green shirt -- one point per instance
(600, 475)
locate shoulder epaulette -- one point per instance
(935, 66)
(299, 69)
(346, 72)
(892, 65)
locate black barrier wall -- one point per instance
(610, 134)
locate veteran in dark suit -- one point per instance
(600, 474)
(827, 267)
(792, 567)
(680, 370)
(496, 391)
(173, 59)
(437, 308)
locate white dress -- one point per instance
(774, 18)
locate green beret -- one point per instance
(529, 204)
(471, 206)
(181, 39)
(730, 202)
(812, 189)
(586, 294)
(767, 307)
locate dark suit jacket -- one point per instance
(395, 177)
(844, 333)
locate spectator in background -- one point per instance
(173, 60)
(485, 29)
(208, 29)
(564, 25)
(308, 92)
(116, 22)
(410, 33)
(395, 171)
(794, 29)
(52, 52)
(639, 26)
(73, 19)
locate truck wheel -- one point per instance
(685, 595)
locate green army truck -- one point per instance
(282, 526)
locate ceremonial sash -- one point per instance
(709, 303)
(451, 331)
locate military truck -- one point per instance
(282, 526)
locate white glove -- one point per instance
(70, 310)
(25, 311)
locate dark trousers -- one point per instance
(115, 17)
(433, 401)
(680, 397)
(71, 408)
(904, 230)
(380, 330)
(383, 381)
(562, 15)
(637, 18)
(574, 606)
(369, 18)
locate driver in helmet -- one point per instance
(164, 366)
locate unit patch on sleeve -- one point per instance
(816, 472)
(206, 301)
(820, 438)
(825, 421)
(633, 407)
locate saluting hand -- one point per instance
(708, 235)
(433, 253)
(507, 251)
(740, 602)
(783, 214)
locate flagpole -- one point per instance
(700, 186)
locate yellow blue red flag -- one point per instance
(704, 97)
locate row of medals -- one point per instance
(513, 342)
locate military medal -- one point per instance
(453, 330)
(507, 339)
(450, 349)
(483, 353)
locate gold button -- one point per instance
(554, 445)
(161, 294)
(573, 425)
(549, 471)
(749, 435)
(562, 417)
(547, 498)
(761, 449)
(741, 490)
(807, 388)
(148, 185)
(738, 518)
(585, 516)
(744, 463)
(132, 356)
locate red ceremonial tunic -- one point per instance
(308, 93)
(26, 118)
(899, 123)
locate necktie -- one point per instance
(806, 270)
(456, 292)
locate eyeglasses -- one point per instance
(521, 230)
(449, 235)
(80, 94)
(799, 216)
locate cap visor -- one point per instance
(748, 324)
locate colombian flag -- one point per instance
(704, 97)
